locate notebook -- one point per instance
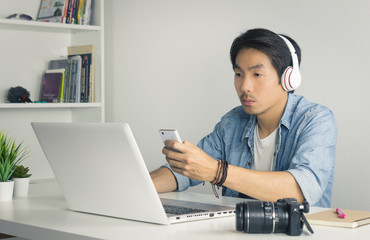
(329, 217)
(100, 170)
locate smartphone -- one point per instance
(170, 134)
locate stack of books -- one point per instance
(70, 79)
(65, 11)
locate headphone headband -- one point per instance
(291, 78)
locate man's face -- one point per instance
(257, 84)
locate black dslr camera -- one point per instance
(283, 216)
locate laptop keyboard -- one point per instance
(181, 210)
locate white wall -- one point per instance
(167, 66)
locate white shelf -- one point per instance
(34, 25)
(26, 49)
(48, 105)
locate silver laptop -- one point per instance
(100, 170)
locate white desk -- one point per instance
(44, 215)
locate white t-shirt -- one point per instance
(264, 151)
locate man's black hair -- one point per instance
(270, 44)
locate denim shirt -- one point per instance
(305, 147)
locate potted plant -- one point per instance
(10, 157)
(21, 179)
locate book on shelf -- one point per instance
(75, 84)
(53, 86)
(87, 70)
(52, 11)
(330, 218)
(62, 63)
(79, 82)
(65, 11)
(86, 19)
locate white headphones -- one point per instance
(291, 78)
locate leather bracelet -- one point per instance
(225, 167)
(215, 180)
(221, 176)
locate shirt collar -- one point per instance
(289, 110)
(248, 130)
(285, 119)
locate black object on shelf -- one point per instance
(18, 95)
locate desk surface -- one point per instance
(44, 215)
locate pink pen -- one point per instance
(340, 213)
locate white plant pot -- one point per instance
(6, 191)
(21, 186)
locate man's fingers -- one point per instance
(180, 147)
(175, 164)
(172, 153)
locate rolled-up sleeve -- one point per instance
(183, 182)
(313, 162)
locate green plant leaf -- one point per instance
(11, 155)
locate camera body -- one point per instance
(295, 211)
(284, 216)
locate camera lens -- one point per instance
(261, 217)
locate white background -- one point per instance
(167, 66)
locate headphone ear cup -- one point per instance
(290, 80)
(286, 79)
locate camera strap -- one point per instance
(306, 223)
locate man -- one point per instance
(275, 145)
